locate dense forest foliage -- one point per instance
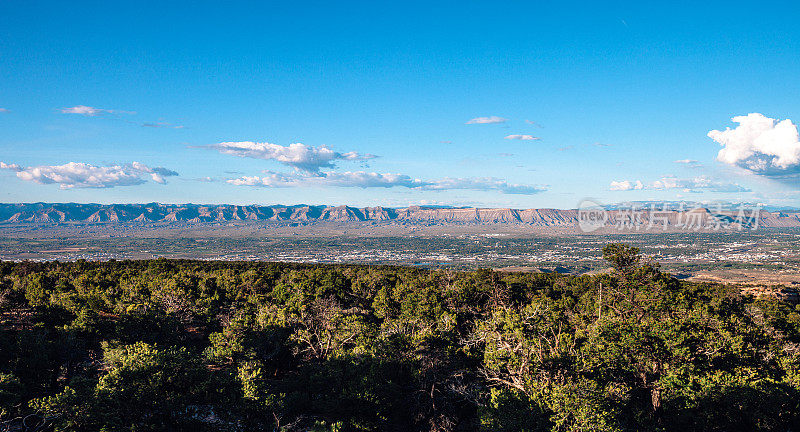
(193, 345)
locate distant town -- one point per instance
(543, 241)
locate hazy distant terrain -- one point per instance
(622, 219)
(527, 240)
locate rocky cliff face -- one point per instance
(43, 213)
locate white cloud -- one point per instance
(761, 145)
(4, 110)
(82, 175)
(297, 155)
(12, 167)
(308, 163)
(487, 120)
(695, 184)
(521, 137)
(371, 180)
(345, 179)
(85, 110)
(626, 185)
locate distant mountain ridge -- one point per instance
(46, 213)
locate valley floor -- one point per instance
(764, 256)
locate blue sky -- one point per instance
(201, 101)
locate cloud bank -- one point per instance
(695, 184)
(521, 137)
(760, 145)
(82, 175)
(626, 185)
(308, 163)
(364, 179)
(85, 110)
(487, 120)
(299, 156)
